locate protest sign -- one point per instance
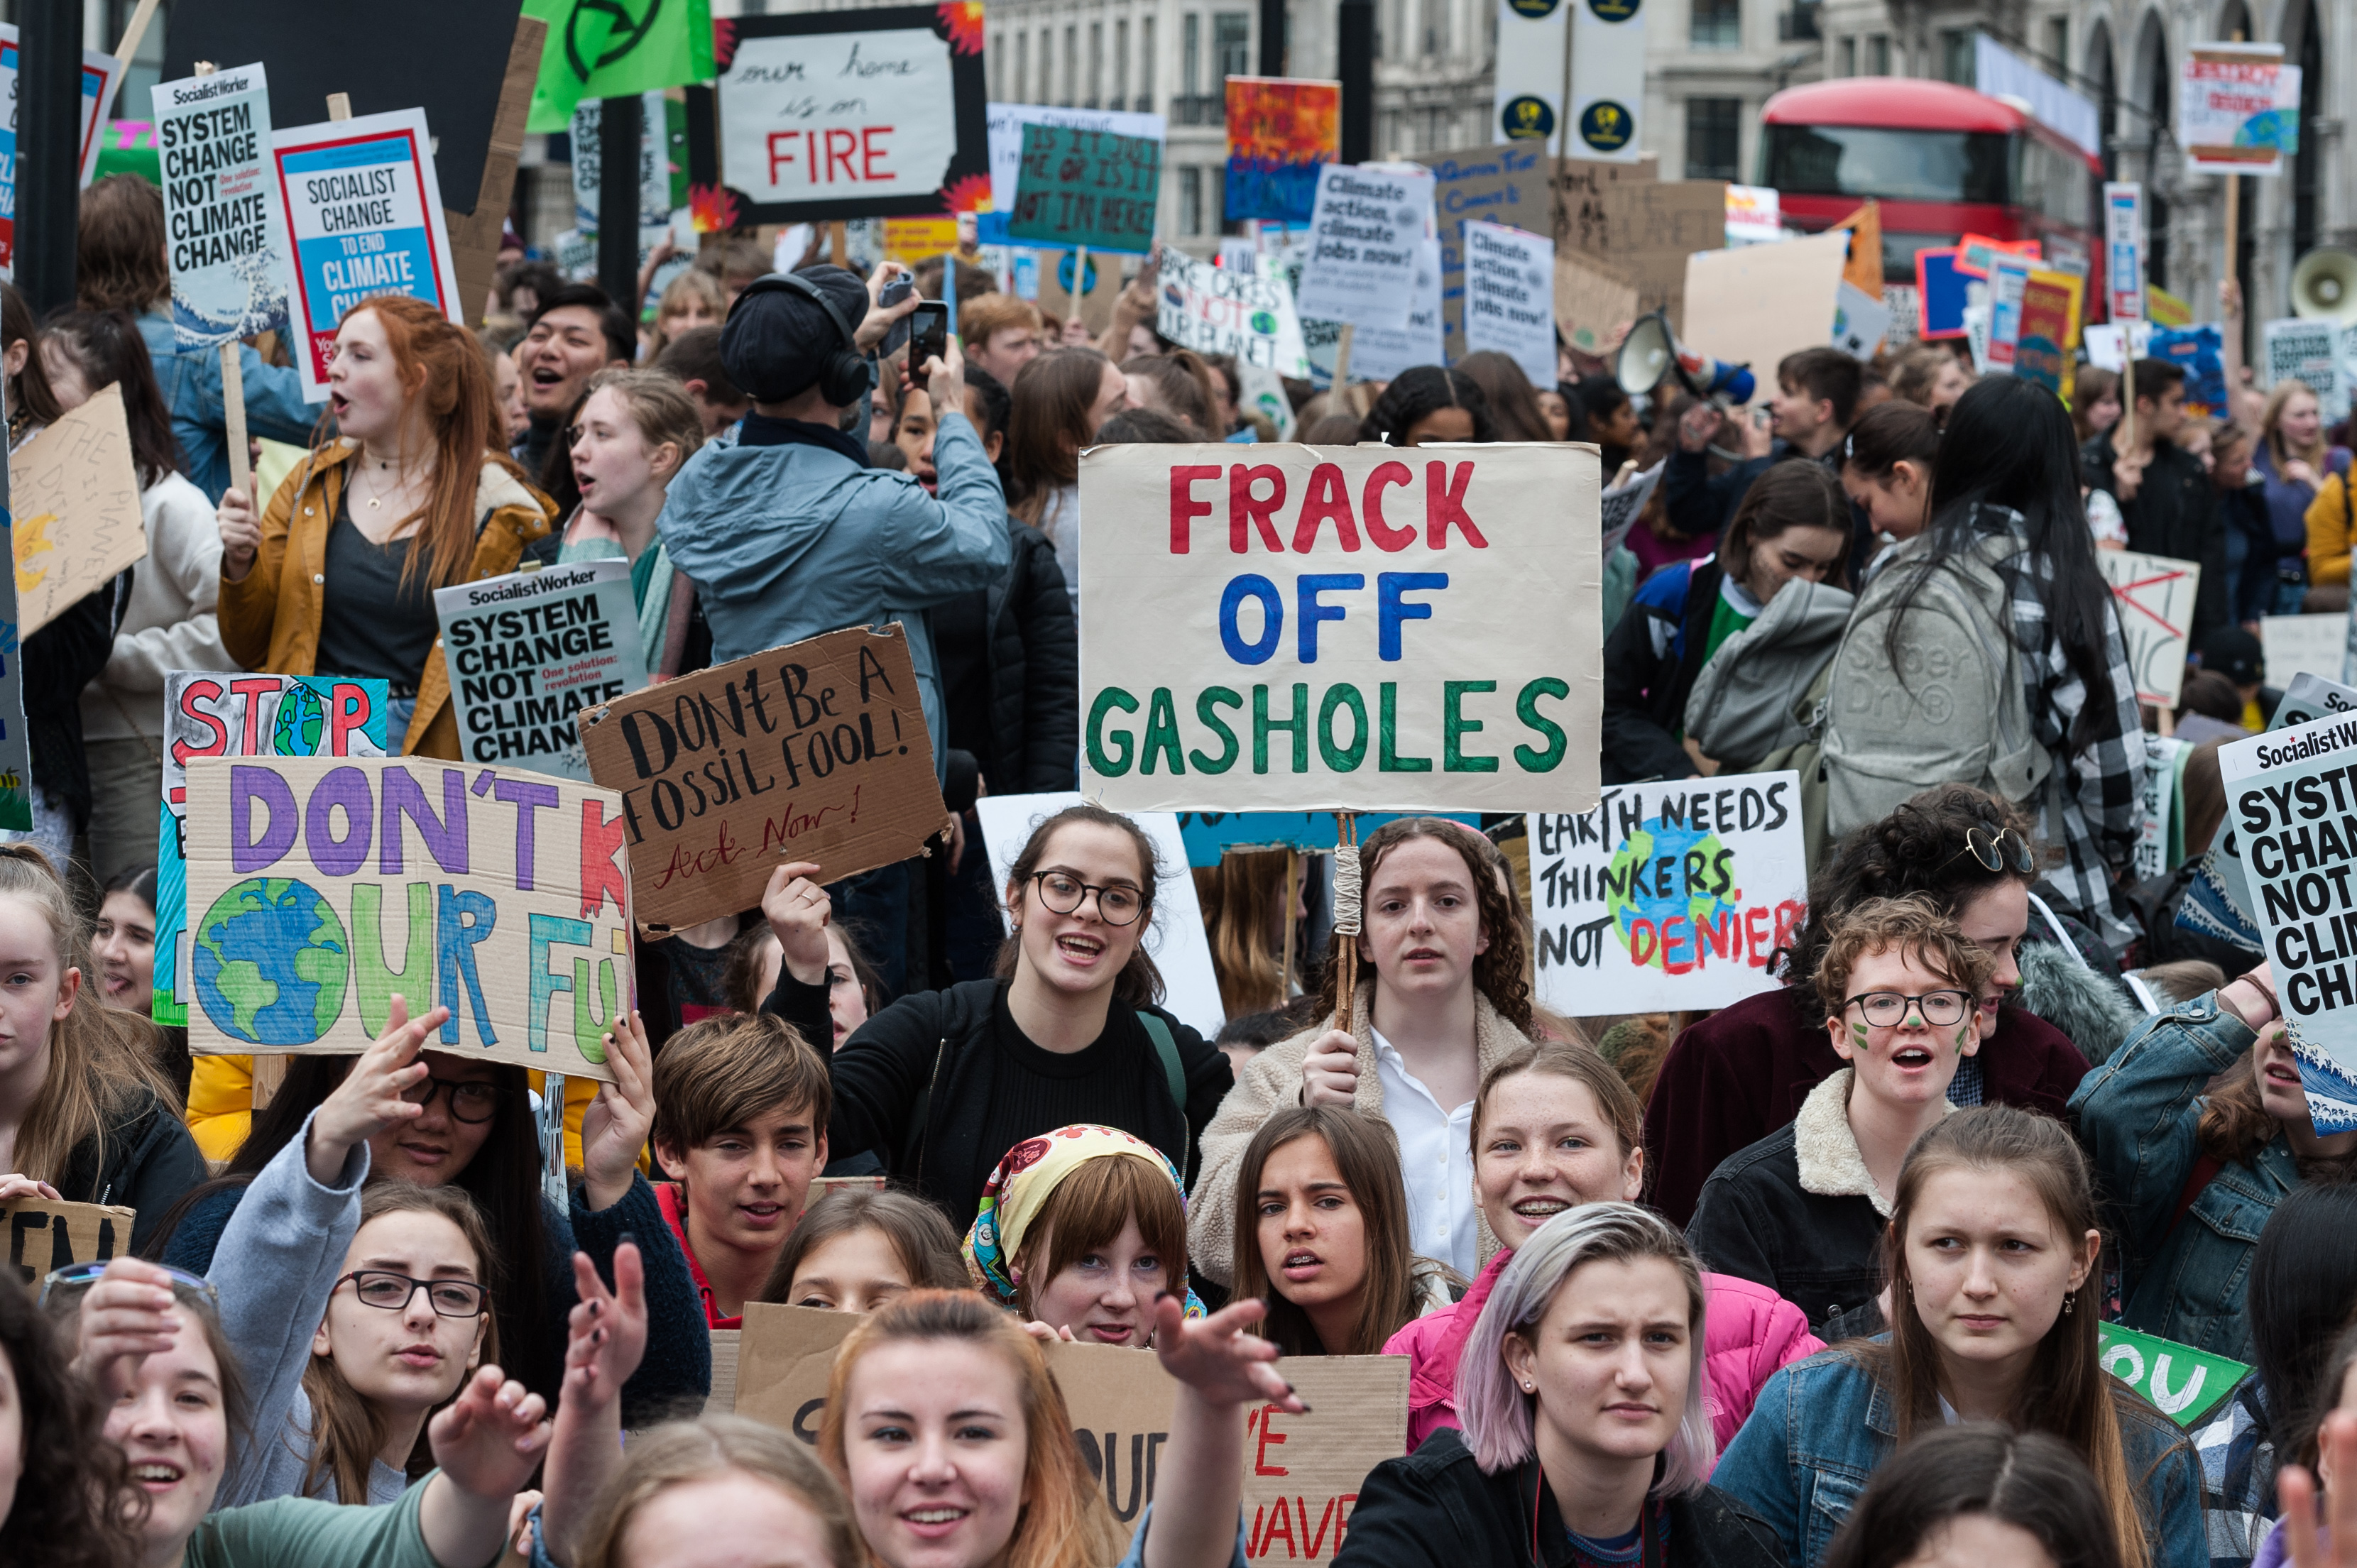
(1219, 310)
(1941, 292)
(2308, 349)
(2154, 598)
(365, 217)
(2200, 353)
(1092, 189)
(2228, 115)
(1643, 226)
(319, 885)
(821, 1186)
(226, 234)
(1607, 77)
(1526, 101)
(1624, 499)
(1363, 238)
(75, 492)
(1176, 942)
(1758, 304)
(1591, 299)
(2289, 796)
(48, 1233)
(101, 74)
(1210, 835)
(784, 1355)
(726, 1347)
(815, 751)
(1005, 123)
(208, 714)
(1862, 271)
(16, 747)
(2124, 250)
(1668, 895)
(2189, 1385)
(529, 651)
(661, 186)
(1381, 353)
(2160, 842)
(1262, 391)
(2049, 327)
(2108, 343)
(1860, 321)
(1754, 216)
(1281, 131)
(2308, 697)
(868, 113)
(1510, 296)
(2008, 279)
(2316, 644)
(1460, 673)
(2165, 310)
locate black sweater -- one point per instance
(1010, 667)
(987, 1088)
(150, 1162)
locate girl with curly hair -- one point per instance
(66, 1497)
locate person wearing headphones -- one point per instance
(787, 534)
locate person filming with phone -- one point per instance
(786, 531)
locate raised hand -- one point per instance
(2335, 1545)
(1215, 1355)
(609, 1327)
(614, 1128)
(798, 910)
(370, 1100)
(488, 1440)
(127, 1316)
(1329, 1072)
(240, 535)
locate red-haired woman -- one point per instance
(337, 576)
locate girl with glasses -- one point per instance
(1801, 1211)
(940, 1084)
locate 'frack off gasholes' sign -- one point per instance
(1366, 629)
(319, 887)
(1668, 895)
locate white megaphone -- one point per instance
(2324, 283)
(1651, 351)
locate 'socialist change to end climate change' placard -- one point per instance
(1289, 629)
(2291, 797)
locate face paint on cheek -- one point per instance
(1962, 1032)
(1857, 1034)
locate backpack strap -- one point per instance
(1165, 1047)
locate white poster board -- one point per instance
(1527, 101)
(226, 231)
(1758, 304)
(787, 136)
(1510, 296)
(2124, 252)
(2308, 349)
(1364, 236)
(2230, 109)
(1381, 353)
(1177, 943)
(529, 651)
(2162, 754)
(1667, 895)
(1219, 310)
(2293, 644)
(1007, 120)
(101, 74)
(2153, 599)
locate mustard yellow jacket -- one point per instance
(270, 618)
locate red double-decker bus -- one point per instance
(1943, 160)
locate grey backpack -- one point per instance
(1741, 708)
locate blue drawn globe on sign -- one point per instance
(271, 963)
(1639, 897)
(301, 719)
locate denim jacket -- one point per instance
(2183, 1279)
(1822, 1425)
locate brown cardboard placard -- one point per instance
(816, 751)
(475, 236)
(1646, 229)
(74, 501)
(784, 1355)
(1592, 297)
(1102, 285)
(727, 1345)
(823, 1185)
(1756, 305)
(319, 886)
(41, 1235)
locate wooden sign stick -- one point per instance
(241, 465)
(135, 31)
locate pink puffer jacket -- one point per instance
(1747, 1333)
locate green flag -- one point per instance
(616, 49)
(2187, 1384)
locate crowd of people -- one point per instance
(1821, 1277)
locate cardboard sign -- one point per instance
(1591, 300)
(43, 1235)
(1860, 321)
(1280, 131)
(1381, 353)
(2160, 842)
(1510, 297)
(1177, 942)
(2154, 598)
(815, 751)
(1090, 299)
(209, 714)
(2189, 1385)
(75, 491)
(1758, 304)
(1645, 227)
(529, 651)
(365, 217)
(319, 886)
(1211, 834)
(2293, 644)
(1220, 311)
(1242, 649)
(16, 747)
(226, 231)
(1668, 895)
(2123, 248)
(1006, 123)
(101, 74)
(2229, 116)
(872, 113)
(1302, 1473)
(2309, 349)
(1095, 188)
(1363, 239)
(2288, 795)
(1862, 271)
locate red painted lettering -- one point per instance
(781, 145)
(841, 146)
(347, 711)
(1678, 937)
(191, 695)
(1443, 503)
(1328, 497)
(1372, 506)
(1790, 914)
(1243, 507)
(869, 152)
(602, 870)
(1643, 942)
(1269, 1438)
(254, 690)
(1756, 945)
(1184, 508)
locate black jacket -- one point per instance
(151, 1162)
(2243, 511)
(941, 1046)
(1435, 1508)
(1646, 697)
(1011, 670)
(1754, 1220)
(60, 659)
(2174, 514)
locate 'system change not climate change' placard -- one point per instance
(1285, 628)
(527, 651)
(319, 887)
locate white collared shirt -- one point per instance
(1436, 1159)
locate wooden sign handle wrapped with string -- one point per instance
(1348, 899)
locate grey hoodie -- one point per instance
(276, 1267)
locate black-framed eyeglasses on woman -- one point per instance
(1994, 848)
(449, 1298)
(472, 1103)
(1889, 1009)
(1064, 893)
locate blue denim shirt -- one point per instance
(2183, 1279)
(1822, 1425)
(191, 383)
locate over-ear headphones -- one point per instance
(849, 375)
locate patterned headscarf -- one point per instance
(1018, 1190)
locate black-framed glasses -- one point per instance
(58, 1284)
(394, 1292)
(473, 1103)
(1889, 1009)
(1063, 893)
(1994, 847)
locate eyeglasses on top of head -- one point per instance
(60, 1284)
(1995, 849)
